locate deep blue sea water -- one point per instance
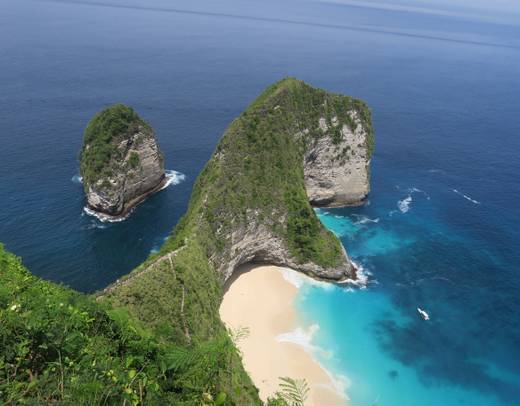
(444, 231)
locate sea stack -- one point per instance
(120, 162)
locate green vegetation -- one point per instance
(156, 337)
(255, 175)
(257, 167)
(133, 161)
(101, 137)
(293, 392)
(62, 347)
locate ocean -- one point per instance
(440, 230)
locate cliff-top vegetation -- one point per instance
(101, 138)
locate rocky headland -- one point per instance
(293, 146)
(155, 335)
(120, 162)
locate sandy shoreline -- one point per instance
(261, 300)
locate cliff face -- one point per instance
(337, 173)
(293, 146)
(251, 203)
(120, 161)
(326, 135)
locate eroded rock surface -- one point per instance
(337, 174)
(121, 163)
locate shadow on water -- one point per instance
(468, 324)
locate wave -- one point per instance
(404, 205)
(173, 178)
(362, 278)
(441, 171)
(466, 197)
(304, 339)
(157, 246)
(298, 279)
(95, 224)
(364, 219)
(77, 179)
(104, 218)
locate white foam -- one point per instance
(362, 277)
(173, 178)
(364, 219)
(103, 217)
(340, 382)
(96, 224)
(304, 339)
(299, 279)
(466, 197)
(415, 190)
(77, 179)
(436, 171)
(404, 205)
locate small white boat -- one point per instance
(423, 314)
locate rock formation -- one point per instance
(294, 145)
(337, 174)
(120, 162)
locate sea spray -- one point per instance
(172, 178)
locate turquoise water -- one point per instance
(441, 230)
(372, 338)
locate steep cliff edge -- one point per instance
(250, 204)
(155, 336)
(120, 162)
(337, 164)
(294, 143)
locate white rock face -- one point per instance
(130, 183)
(338, 174)
(255, 243)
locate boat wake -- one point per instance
(466, 197)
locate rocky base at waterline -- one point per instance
(120, 162)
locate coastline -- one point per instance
(171, 177)
(260, 299)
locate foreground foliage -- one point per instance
(59, 346)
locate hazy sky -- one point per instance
(485, 9)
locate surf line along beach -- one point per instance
(261, 300)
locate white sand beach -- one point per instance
(260, 299)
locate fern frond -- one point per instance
(294, 391)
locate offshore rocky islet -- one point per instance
(249, 204)
(120, 162)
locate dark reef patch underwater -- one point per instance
(445, 114)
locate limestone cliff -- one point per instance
(337, 170)
(294, 145)
(120, 161)
(251, 203)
